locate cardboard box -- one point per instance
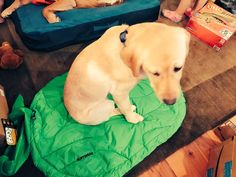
(8, 132)
(3, 114)
(222, 160)
(213, 25)
(3, 104)
(227, 161)
(213, 161)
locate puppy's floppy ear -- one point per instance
(129, 58)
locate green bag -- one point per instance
(61, 147)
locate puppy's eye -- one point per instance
(176, 69)
(156, 74)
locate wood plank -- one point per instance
(200, 67)
(180, 161)
(204, 144)
(163, 169)
(215, 139)
(150, 172)
(210, 102)
(190, 160)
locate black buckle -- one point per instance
(123, 36)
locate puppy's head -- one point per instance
(159, 52)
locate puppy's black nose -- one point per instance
(169, 101)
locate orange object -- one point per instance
(213, 25)
(42, 2)
(3, 104)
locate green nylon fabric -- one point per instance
(61, 147)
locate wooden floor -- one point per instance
(189, 161)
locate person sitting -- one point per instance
(185, 7)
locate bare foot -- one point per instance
(189, 12)
(172, 15)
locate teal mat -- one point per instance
(78, 25)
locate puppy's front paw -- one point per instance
(6, 13)
(134, 118)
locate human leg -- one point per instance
(177, 15)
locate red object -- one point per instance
(213, 25)
(42, 2)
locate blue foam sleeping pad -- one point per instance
(78, 25)
(61, 147)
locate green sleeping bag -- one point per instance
(61, 147)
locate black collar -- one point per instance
(123, 36)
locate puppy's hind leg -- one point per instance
(100, 112)
(15, 5)
(60, 5)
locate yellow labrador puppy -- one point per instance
(116, 62)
